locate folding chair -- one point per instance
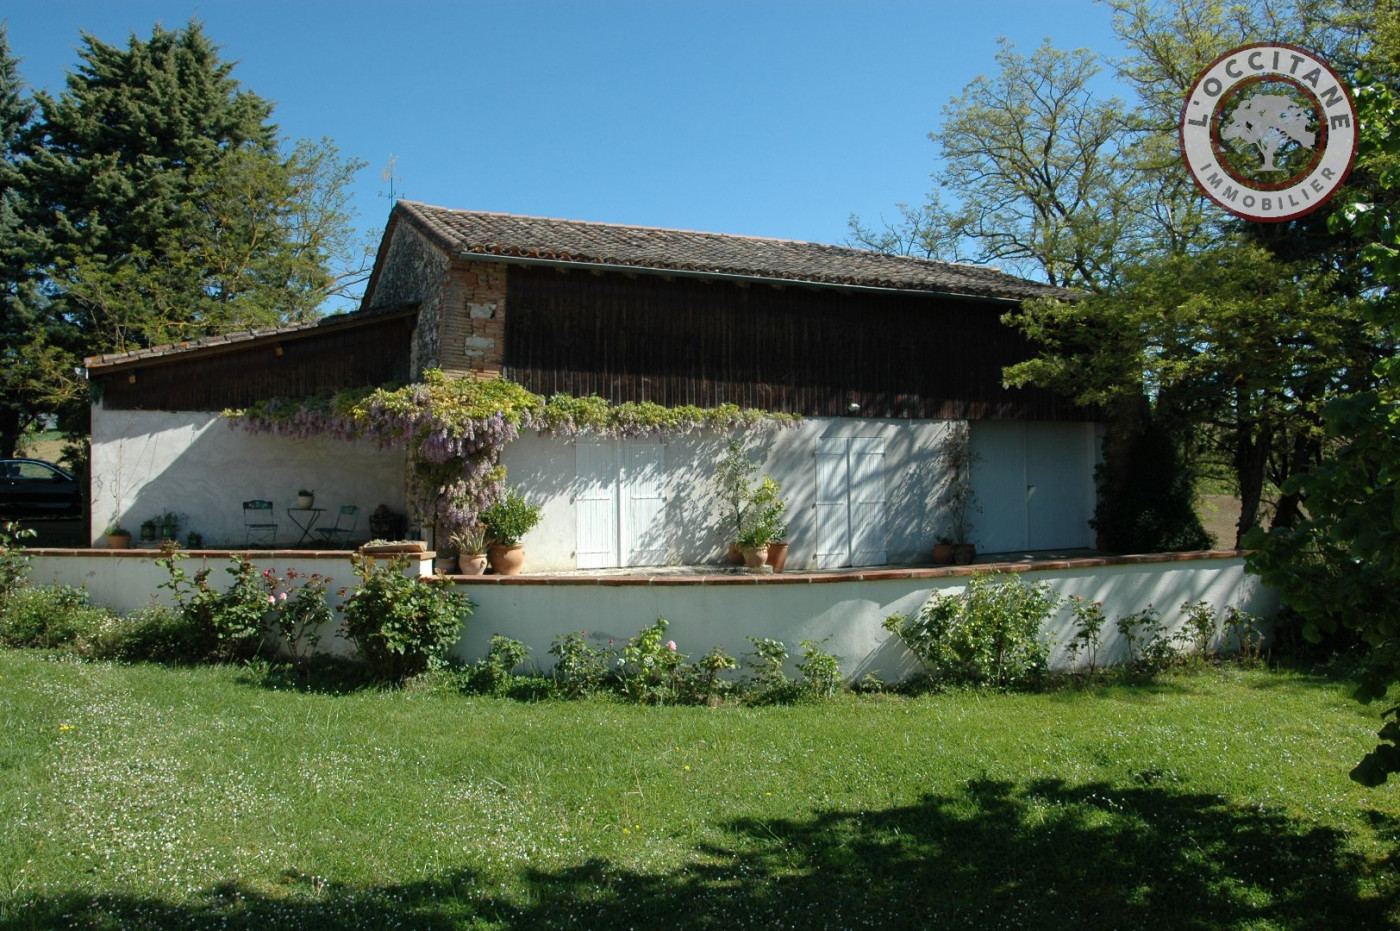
(341, 530)
(258, 522)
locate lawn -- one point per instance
(147, 797)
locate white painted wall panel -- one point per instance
(596, 544)
(867, 468)
(193, 463)
(642, 497)
(833, 503)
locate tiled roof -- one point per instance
(465, 232)
(238, 336)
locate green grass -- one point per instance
(146, 797)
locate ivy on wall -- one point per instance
(454, 430)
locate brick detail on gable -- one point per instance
(473, 329)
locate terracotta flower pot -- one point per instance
(942, 553)
(754, 556)
(473, 564)
(964, 553)
(735, 555)
(119, 541)
(507, 560)
(777, 555)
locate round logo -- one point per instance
(1268, 132)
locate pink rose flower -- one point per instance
(671, 645)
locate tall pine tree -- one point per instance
(162, 206)
(35, 367)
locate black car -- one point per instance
(32, 487)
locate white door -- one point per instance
(1059, 485)
(1034, 484)
(620, 506)
(850, 502)
(642, 504)
(595, 507)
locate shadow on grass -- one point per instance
(994, 855)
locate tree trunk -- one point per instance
(1251, 464)
(11, 426)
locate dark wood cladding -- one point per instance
(802, 350)
(311, 363)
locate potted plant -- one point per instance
(148, 530)
(506, 521)
(306, 499)
(763, 524)
(959, 498)
(470, 543)
(734, 475)
(118, 537)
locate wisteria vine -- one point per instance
(454, 430)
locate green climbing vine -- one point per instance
(454, 430)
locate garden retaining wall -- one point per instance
(706, 608)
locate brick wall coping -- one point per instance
(706, 575)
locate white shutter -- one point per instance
(833, 503)
(868, 501)
(1058, 499)
(643, 502)
(595, 507)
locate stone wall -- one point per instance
(413, 270)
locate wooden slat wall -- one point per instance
(315, 363)
(807, 351)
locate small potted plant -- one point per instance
(763, 524)
(118, 537)
(306, 499)
(470, 543)
(506, 522)
(148, 530)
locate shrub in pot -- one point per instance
(506, 522)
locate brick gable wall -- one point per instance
(472, 331)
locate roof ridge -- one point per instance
(656, 248)
(782, 240)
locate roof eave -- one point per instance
(669, 272)
(240, 341)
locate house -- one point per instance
(882, 356)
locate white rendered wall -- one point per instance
(1034, 482)
(846, 610)
(1035, 488)
(194, 464)
(849, 612)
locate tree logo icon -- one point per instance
(1268, 132)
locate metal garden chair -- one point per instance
(258, 523)
(342, 530)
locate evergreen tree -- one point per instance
(35, 369)
(162, 206)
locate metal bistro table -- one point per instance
(305, 520)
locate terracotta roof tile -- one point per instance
(465, 232)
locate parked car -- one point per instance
(32, 488)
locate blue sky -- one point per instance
(761, 118)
